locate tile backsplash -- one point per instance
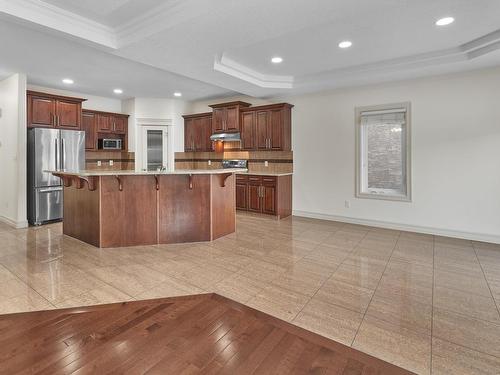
(277, 161)
(114, 160)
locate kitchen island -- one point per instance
(127, 208)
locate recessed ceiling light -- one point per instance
(177, 94)
(118, 91)
(445, 21)
(68, 81)
(276, 60)
(345, 44)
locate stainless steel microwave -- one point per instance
(109, 144)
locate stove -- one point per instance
(227, 164)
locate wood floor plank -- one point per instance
(206, 334)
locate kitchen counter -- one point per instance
(97, 173)
(276, 174)
(128, 208)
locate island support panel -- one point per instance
(133, 210)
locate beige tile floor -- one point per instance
(429, 304)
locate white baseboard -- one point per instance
(13, 223)
(405, 227)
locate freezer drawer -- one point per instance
(49, 204)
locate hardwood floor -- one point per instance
(204, 333)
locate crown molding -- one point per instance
(53, 17)
(230, 67)
(465, 52)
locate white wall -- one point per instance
(13, 150)
(155, 109)
(455, 155)
(97, 103)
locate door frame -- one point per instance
(145, 124)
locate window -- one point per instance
(383, 152)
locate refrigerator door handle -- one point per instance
(56, 154)
(63, 154)
(48, 190)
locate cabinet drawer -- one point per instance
(254, 179)
(269, 180)
(241, 178)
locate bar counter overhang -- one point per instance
(126, 208)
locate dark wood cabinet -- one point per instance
(197, 132)
(100, 125)
(54, 111)
(42, 111)
(271, 128)
(248, 131)
(226, 116)
(241, 196)
(120, 124)
(104, 123)
(69, 114)
(89, 126)
(271, 195)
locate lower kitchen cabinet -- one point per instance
(271, 195)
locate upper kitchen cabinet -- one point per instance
(267, 127)
(89, 126)
(104, 125)
(46, 110)
(226, 116)
(197, 131)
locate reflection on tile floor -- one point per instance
(423, 302)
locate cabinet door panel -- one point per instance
(188, 135)
(42, 111)
(198, 134)
(276, 129)
(89, 127)
(218, 120)
(262, 120)
(68, 114)
(104, 123)
(248, 130)
(241, 196)
(120, 124)
(207, 132)
(269, 200)
(231, 117)
(254, 200)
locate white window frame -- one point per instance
(360, 179)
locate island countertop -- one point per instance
(128, 208)
(118, 172)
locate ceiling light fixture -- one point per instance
(118, 91)
(178, 94)
(345, 44)
(445, 21)
(68, 81)
(276, 60)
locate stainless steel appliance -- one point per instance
(155, 150)
(51, 149)
(226, 137)
(109, 144)
(234, 164)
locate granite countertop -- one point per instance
(94, 173)
(276, 174)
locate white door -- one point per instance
(154, 148)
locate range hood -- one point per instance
(226, 137)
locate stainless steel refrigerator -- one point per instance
(51, 149)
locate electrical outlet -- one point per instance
(111, 163)
(347, 204)
(266, 164)
(99, 163)
(210, 162)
